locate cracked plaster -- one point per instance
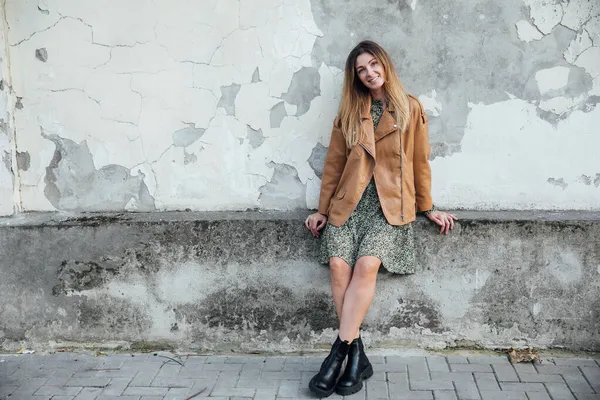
(126, 89)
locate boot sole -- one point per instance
(319, 392)
(347, 391)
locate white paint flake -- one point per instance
(546, 14)
(581, 43)
(552, 78)
(528, 32)
(431, 105)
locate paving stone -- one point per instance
(466, 390)
(557, 369)
(486, 381)
(408, 395)
(400, 380)
(177, 393)
(88, 393)
(587, 396)
(357, 396)
(457, 360)
(176, 382)
(288, 389)
(145, 391)
(431, 385)
(29, 387)
(104, 397)
(510, 395)
(438, 364)
(63, 397)
(506, 373)
(522, 387)
(488, 360)
(538, 396)
(6, 390)
(471, 368)
(57, 391)
(592, 374)
(444, 395)
(376, 390)
(452, 376)
(116, 386)
(559, 391)
(88, 382)
(282, 375)
(377, 359)
(578, 384)
(524, 368)
(577, 362)
(143, 379)
(266, 394)
(231, 392)
(541, 378)
(215, 360)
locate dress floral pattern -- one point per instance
(367, 232)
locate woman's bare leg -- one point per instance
(341, 273)
(358, 297)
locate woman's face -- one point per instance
(370, 71)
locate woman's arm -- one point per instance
(334, 166)
(421, 167)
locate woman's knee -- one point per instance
(339, 268)
(366, 268)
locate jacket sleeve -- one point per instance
(422, 169)
(335, 162)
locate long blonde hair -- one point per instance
(356, 96)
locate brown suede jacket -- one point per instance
(403, 180)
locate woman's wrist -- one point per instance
(432, 209)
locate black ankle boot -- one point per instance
(358, 369)
(323, 383)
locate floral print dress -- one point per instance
(367, 232)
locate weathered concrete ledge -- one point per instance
(248, 281)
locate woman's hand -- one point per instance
(315, 222)
(444, 220)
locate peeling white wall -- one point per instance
(213, 105)
(7, 201)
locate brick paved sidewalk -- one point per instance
(64, 376)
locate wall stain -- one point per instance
(77, 276)
(284, 191)
(74, 184)
(41, 54)
(317, 159)
(415, 313)
(560, 182)
(23, 160)
(304, 87)
(262, 307)
(227, 100)
(278, 113)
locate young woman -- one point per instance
(376, 178)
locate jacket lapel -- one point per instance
(387, 124)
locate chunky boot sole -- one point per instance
(320, 392)
(347, 391)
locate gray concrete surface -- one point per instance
(248, 281)
(154, 376)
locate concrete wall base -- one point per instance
(249, 281)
